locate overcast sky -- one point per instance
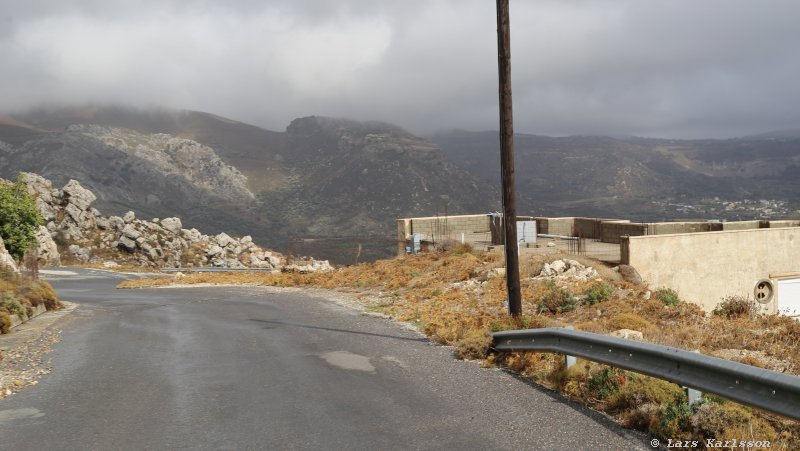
(670, 68)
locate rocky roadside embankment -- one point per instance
(89, 237)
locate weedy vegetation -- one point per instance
(668, 296)
(20, 294)
(736, 307)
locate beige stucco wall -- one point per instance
(666, 228)
(612, 231)
(440, 227)
(592, 227)
(554, 226)
(403, 234)
(705, 267)
(741, 225)
(784, 223)
(573, 226)
(444, 226)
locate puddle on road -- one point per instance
(18, 414)
(348, 361)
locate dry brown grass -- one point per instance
(455, 299)
(121, 267)
(19, 294)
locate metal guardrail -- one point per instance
(757, 387)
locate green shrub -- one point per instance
(13, 306)
(671, 420)
(712, 418)
(598, 292)
(606, 382)
(629, 321)
(644, 390)
(725, 420)
(736, 307)
(19, 217)
(556, 300)
(668, 296)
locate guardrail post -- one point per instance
(693, 395)
(570, 360)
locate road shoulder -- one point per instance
(25, 350)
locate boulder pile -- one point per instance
(90, 237)
(567, 269)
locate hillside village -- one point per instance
(732, 210)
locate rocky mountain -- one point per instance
(634, 177)
(178, 157)
(158, 173)
(327, 186)
(344, 171)
(335, 183)
(77, 231)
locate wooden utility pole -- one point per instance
(507, 160)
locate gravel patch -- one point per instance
(25, 350)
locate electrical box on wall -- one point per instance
(783, 290)
(788, 296)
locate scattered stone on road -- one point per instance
(25, 351)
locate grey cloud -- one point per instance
(662, 67)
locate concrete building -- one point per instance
(481, 231)
(761, 264)
(704, 261)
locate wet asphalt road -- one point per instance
(247, 368)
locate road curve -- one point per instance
(250, 368)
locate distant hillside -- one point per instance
(339, 183)
(131, 171)
(322, 177)
(371, 172)
(249, 148)
(634, 177)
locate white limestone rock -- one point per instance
(191, 235)
(7, 262)
(224, 240)
(116, 223)
(127, 243)
(628, 334)
(172, 225)
(46, 248)
(130, 231)
(77, 195)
